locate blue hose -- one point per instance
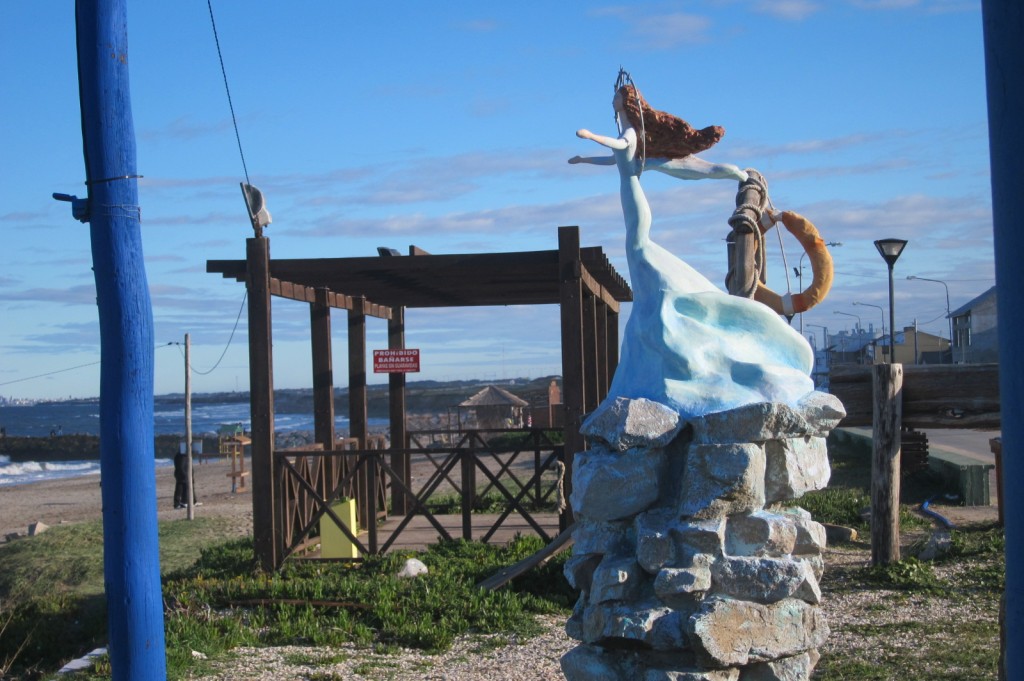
(932, 514)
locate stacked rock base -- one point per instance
(692, 563)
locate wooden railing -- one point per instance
(520, 476)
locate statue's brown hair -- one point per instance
(666, 136)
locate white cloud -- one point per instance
(790, 10)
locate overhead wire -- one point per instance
(231, 106)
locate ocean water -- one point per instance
(66, 418)
(83, 417)
(33, 471)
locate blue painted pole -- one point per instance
(131, 563)
(1004, 63)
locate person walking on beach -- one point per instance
(181, 482)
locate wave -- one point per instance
(22, 472)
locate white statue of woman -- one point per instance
(687, 343)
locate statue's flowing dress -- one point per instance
(688, 344)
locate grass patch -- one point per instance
(51, 593)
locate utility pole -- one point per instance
(131, 559)
(191, 512)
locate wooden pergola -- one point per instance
(580, 280)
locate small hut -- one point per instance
(495, 407)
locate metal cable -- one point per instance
(234, 121)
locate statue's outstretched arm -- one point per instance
(610, 142)
(594, 160)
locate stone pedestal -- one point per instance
(690, 568)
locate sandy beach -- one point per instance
(73, 500)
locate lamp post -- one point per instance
(890, 250)
(880, 309)
(850, 314)
(800, 276)
(950, 319)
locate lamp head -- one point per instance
(890, 249)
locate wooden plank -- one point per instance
(934, 396)
(499, 579)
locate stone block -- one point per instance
(601, 536)
(579, 569)
(700, 536)
(592, 663)
(623, 423)
(655, 543)
(615, 579)
(757, 422)
(821, 411)
(672, 582)
(811, 538)
(795, 466)
(731, 633)
(625, 622)
(720, 480)
(764, 580)
(614, 486)
(761, 533)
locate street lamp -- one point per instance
(850, 314)
(880, 309)
(939, 281)
(890, 250)
(800, 276)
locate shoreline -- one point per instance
(78, 499)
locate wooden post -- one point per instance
(885, 464)
(357, 405)
(591, 371)
(131, 559)
(265, 525)
(396, 413)
(570, 271)
(613, 348)
(603, 369)
(328, 467)
(190, 501)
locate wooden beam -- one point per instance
(934, 396)
(265, 514)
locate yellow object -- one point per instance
(821, 265)
(333, 542)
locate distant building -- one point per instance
(494, 407)
(913, 347)
(975, 330)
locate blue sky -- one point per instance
(448, 125)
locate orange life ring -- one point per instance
(821, 265)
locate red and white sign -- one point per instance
(403, 361)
